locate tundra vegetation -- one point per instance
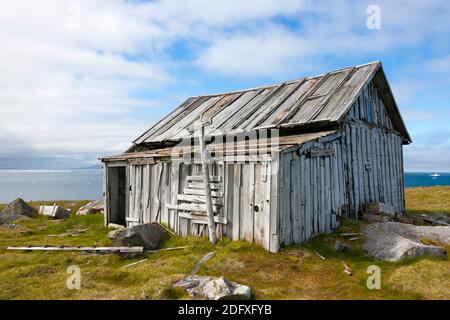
(296, 272)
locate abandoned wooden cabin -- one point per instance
(287, 161)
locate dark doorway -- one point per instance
(117, 195)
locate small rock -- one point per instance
(92, 207)
(19, 207)
(213, 288)
(341, 246)
(56, 212)
(149, 235)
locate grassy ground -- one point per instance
(294, 273)
(428, 200)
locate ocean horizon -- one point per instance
(87, 184)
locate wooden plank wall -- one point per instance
(374, 164)
(246, 202)
(311, 192)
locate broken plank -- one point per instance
(202, 261)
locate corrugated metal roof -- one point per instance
(319, 99)
(229, 148)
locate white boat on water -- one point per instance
(434, 175)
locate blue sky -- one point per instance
(82, 79)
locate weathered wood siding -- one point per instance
(311, 191)
(245, 190)
(316, 192)
(374, 163)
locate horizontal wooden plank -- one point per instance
(200, 178)
(202, 219)
(141, 161)
(202, 192)
(190, 207)
(200, 185)
(96, 249)
(198, 199)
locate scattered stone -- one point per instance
(19, 207)
(341, 246)
(393, 241)
(91, 208)
(149, 235)
(56, 212)
(212, 288)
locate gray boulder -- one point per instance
(393, 241)
(92, 207)
(149, 235)
(213, 288)
(416, 233)
(19, 207)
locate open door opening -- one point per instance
(117, 195)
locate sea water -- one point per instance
(87, 185)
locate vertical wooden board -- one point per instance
(106, 214)
(227, 199)
(236, 201)
(144, 196)
(282, 193)
(295, 198)
(321, 195)
(328, 195)
(314, 199)
(355, 171)
(247, 199)
(131, 191)
(303, 185)
(174, 185)
(267, 206)
(287, 212)
(274, 225)
(308, 198)
(361, 169)
(334, 183)
(165, 188)
(244, 204)
(258, 207)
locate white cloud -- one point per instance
(70, 68)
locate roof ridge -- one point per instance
(287, 82)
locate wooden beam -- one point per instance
(95, 249)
